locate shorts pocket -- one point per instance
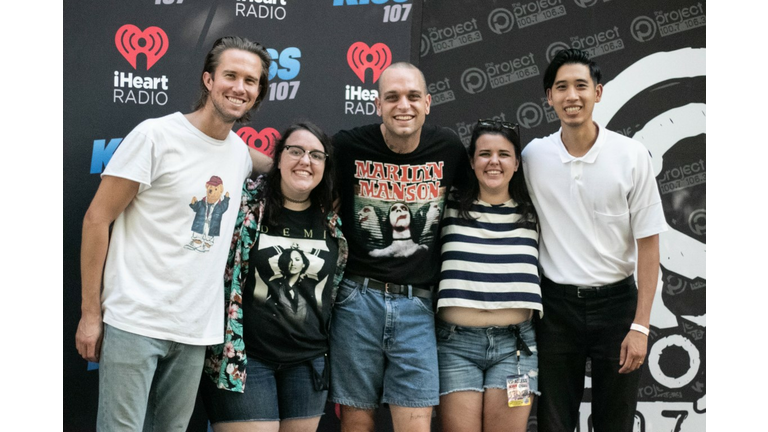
(444, 333)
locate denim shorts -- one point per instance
(273, 392)
(382, 349)
(476, 358)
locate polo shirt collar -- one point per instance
(591, 155)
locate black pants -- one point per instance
(572, 330)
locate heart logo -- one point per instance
(152, 42)
(361, 57)
(263, 141)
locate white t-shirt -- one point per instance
(592, 208)
(164, 271)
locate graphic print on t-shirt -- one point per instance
(398, 207)
(296, 277)
(208, 213)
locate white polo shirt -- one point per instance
(592, 208)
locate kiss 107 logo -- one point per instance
(285, 66)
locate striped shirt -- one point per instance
(490, 262)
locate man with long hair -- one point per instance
(162, 302)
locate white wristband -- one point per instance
(642, 329)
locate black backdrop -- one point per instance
(481, 59)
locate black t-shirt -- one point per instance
(287, 295)
(392, 203)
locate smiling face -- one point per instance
(234, 86)
(494, 163)
(403, 102)
(574, 94)
(299, 176)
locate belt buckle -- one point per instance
(386, 288)
(585, 292)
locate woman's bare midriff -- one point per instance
(469, 317)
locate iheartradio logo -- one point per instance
(263, 141)
(152, 42)
(361, 57)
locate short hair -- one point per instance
(213, 59)
(518, 190)
(322, 195)
(405, 65)
(570, 56)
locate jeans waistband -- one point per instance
(393, 288)
(497, 329)
(515, 329)
(591, 291)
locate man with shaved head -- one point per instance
(383, 347)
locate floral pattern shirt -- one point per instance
(225, 363)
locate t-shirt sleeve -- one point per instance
(646, 212)
(463, 170)
(134, 159)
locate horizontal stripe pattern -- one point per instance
(491, 261)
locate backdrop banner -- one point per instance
(125, 62)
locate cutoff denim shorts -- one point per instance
(382, 349)
(273, 392)
(476, 358)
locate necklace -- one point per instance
(295, 201)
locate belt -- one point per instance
(392, 288)
(592, 291)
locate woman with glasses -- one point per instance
(286, 260)
(489, 290)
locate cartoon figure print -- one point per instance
(208, 213)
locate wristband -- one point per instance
(640, 328)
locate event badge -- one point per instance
(518, 390)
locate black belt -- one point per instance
(391, 288)
(592, 291)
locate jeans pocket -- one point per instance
(424, 304)
(347, 292)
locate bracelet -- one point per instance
(640, 328)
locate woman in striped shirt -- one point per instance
(489, 290)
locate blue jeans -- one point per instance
(477, 358)
(382, 349)
(273, 392)
(572, 330)
(146, 383)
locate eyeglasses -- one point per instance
(498, 123)
(296, 152)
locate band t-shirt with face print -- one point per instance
(287, 295)
(392, 203)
